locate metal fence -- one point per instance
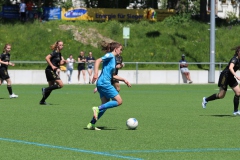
(218, 65)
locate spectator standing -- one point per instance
(22, 11)
(70, 67)
(40, 10)
(81, 66)
(29, 9)
(90, 66)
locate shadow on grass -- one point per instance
(102, 128)
(153, 34)
(220, 115)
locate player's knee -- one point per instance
(60, 85)
(120, 102)
(220, 96)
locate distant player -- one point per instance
(5, 62)
(54, 60)
(228, 78)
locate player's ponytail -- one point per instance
(55, 45)
(237, 50)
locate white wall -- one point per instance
(143, 76)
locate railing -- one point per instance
(219, 64)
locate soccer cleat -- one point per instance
(95, 112)
(43, 92)
(92, 127)
(42, 103)
(13, 96)
(236, 113)
(204, 102)
(190, 82)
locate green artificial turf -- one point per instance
(172, 124)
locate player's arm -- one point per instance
(96, 68)
(6, 63)
(231, 66)
(63, 61)
(48, 59)
(122, 79)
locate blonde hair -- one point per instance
(4, 49)
(55, 45)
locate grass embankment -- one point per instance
(149, 42)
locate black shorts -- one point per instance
(51, 75)
(225, 80)
(81, 68)
(4, 74)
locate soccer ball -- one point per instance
(132, 123)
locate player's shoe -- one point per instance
(204, 102)
(95, 112)
(42, 103)
(43, 92)
(92, 127)
(13, 96)
(190, 82)
(236, 113)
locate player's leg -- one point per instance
(101, 112)
(222, 84)
(235, 87)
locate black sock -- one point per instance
(93, 121)
(212, 97)
(46, 96)
(9, 89)
(236, 103)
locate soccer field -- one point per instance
(172, 124)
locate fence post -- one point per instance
(136, 72)
(179, 73)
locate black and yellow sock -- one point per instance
(236, 103)
(212, 97)
(9, 87)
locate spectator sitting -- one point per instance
(184, 69)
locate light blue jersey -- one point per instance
(104, 85)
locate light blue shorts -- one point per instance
(107, 91)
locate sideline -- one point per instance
(69, 149)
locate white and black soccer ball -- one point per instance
(132, 123)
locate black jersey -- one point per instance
(119, 60)
(236, 62)
(5, 57)
(55, 59)
(81, 63)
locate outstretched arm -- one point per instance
(122, 79)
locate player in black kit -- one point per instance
(54, 60)
(119, 65)
(228, 77)
(5, 62)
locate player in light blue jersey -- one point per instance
(104, 86)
